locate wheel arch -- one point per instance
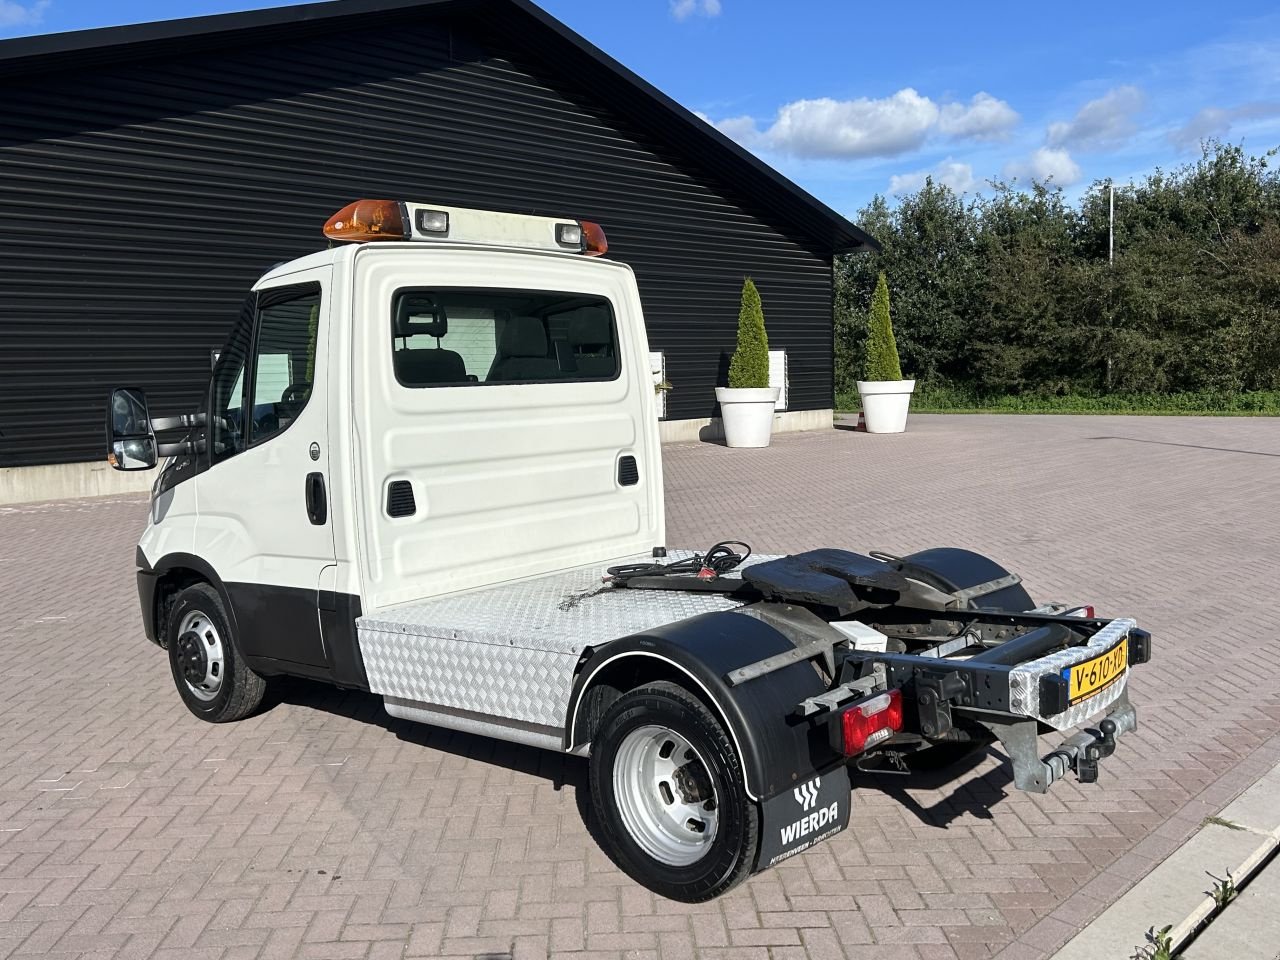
(169, 576)
(776, 751)
(955, 568)
(620, 672)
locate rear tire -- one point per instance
(211, 676)
(667, 787)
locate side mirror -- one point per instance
(131, 441)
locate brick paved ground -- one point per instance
(321, 828)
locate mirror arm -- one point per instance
(182, 448)
(178, 422)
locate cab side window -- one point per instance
(284, 358)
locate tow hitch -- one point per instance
(1077, 754)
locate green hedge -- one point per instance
(955, 400)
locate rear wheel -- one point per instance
(212, 678)
(667, 786)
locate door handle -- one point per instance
(317, 504)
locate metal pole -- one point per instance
(1111, 255)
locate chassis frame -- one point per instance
(955, 700)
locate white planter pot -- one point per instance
(885, 403)
(747, 415)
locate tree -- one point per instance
(928, 249)
(1014, 292)
(882, 350)
(1018, 333)
(749, 366)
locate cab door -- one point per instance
(265, 523)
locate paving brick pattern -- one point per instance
(322, 828)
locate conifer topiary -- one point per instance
(882, 349)
(749, 366)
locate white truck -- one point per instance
(428, 467)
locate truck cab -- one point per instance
(392, 421)
(427, 466)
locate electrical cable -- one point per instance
(716, 562)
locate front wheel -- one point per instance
(667, 786)
(211, 676)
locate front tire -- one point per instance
(667, 786)
(211, 676)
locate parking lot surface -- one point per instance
(322, 828)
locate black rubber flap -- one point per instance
(808, 813)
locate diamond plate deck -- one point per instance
(442, 650)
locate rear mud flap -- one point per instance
(813, 811)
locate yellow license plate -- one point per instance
(1086, 679)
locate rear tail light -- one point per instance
(1086, 612)
(870, 722)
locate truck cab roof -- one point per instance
(421, 226)
(348, 251)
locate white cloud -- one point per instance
(1101, 123)
(1216, 122)
(742, 129)
(949, 173)
(885, 127)
(14, 14)
(1047, 165)
(684, 9)
(854, 128)
(985, 118)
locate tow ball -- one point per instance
(1104, 746)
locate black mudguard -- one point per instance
(953, 568)
(778, 749)
(800, 783)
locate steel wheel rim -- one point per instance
(666, 795)
(201, 656)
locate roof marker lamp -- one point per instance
(434, 222)
(569, 235)
(369, 220)
(584, 236)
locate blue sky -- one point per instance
(851, 99)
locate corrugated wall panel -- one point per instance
(141, 200)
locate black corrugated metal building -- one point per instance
(149, 174)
